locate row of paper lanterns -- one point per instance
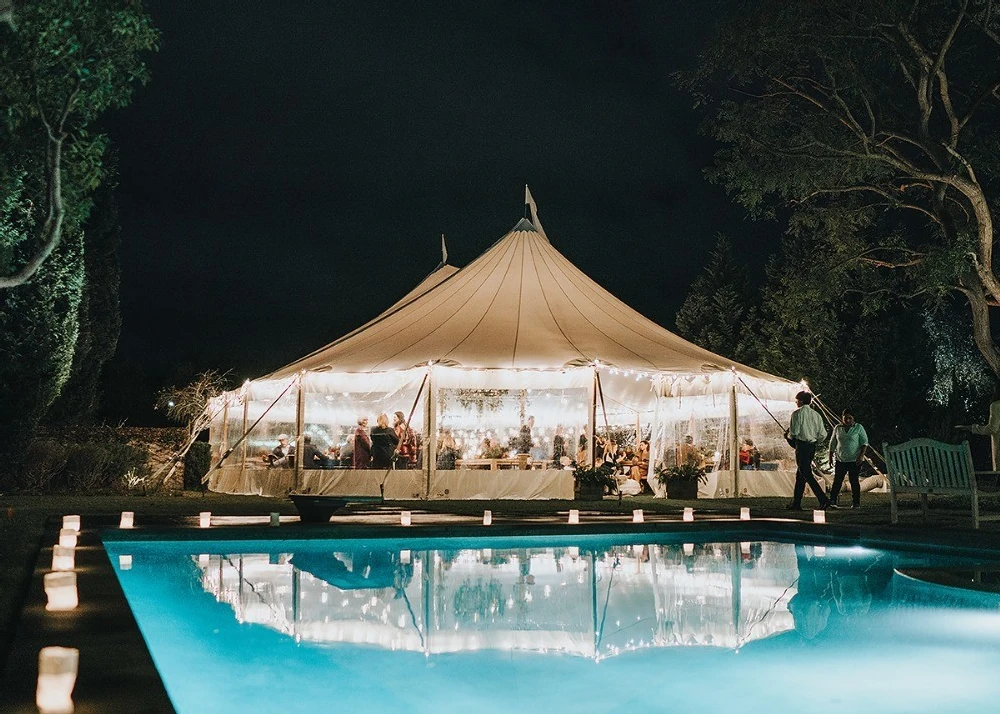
(406, 517)
(57, 666)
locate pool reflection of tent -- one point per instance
(519, 316)
(595, 605)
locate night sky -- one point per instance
(289, 170)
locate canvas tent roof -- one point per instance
(520, 305)
(440, 274)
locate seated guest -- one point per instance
(447, 451)
(312, 457)
(281, 455)
(347, 452)
(489, 450)
(384, 442)
(612, 455)
(749, 455)
(690, 454)
(640, 464)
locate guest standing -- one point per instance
(558, 445)
(990, 428)
(848, 445)
(383, 443)
(804, 432)
(362, 445)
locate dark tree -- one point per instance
(62, 63)
(875, 126)
(99, 312)
(717, 312)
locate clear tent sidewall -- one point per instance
(475, 410)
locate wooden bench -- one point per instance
(929, 468)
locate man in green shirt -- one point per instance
(848, 445)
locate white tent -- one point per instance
(473, 352)
(520, 305)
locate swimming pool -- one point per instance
(584, 624)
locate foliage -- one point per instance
(484, 400)
(38, 332)
(595, 476)
(99, 316)
(685, 473)
(45, 460)
(718, 310)
(65, 64)
(960, 373)
(622, 436)
(871, 126)
(189, 404)
(867, 355)
(104, 466)
(86, 465)
(192, 406)
(197, 462)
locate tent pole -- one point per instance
(734, 461)
(430, 419)
(243, 445)
(591, 420)
(736, 558)
(300, 425)
(593, 602)
(654, 442)
(224, 436)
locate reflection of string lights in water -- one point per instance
(560, 600)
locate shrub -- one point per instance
(87, 467)
(128, 466)
(197, 462)
(44, 465)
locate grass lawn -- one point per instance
(23, 520)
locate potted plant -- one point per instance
(590, 482)
(681, 481)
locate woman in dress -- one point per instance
(407, 457)
(383, 441)
(362, 445)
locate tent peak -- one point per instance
(524, 225)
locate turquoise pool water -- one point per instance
(583, 624)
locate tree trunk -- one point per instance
(981, 332)
(52, 228)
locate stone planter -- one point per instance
(589, 491)
(683, 490)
